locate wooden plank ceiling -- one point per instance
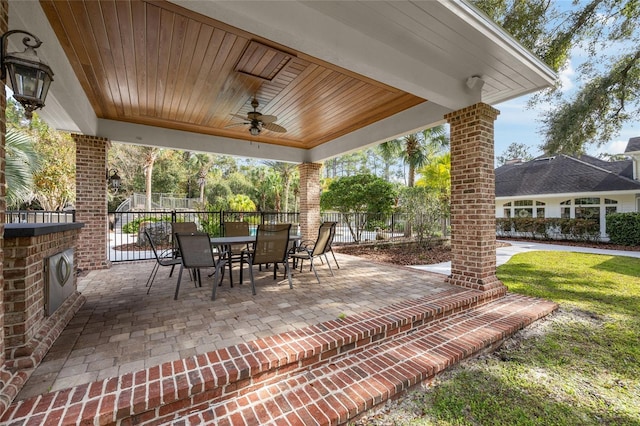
(155, 63)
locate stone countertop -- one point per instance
(16, 230)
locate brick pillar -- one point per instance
(91, 201)
(4, 16)
(309, 200)
(473, 230)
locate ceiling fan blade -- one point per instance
(236, 124)
(274, 127)
(267, 118)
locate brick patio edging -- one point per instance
(22, 362)
(197, 382)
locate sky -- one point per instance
(517, 123)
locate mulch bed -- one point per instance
(398, 254)
(412, 254)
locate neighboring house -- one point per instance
(564, 186)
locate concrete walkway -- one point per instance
(503, 254)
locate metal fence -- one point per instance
(127, 243)
(40, 216)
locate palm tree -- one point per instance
(287, 172)
(416, 148)
(203, 163)
(20, 165)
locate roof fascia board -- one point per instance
(479, 20)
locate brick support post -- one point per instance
(309, 200)
(4, 16)
(91, 201)
(473, 230)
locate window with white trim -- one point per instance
(524, 208)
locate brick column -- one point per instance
(309, 200)
(473, 230)
(91, 201)
(4, 16)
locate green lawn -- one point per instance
(579, 367)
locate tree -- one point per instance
(20, 165)
(54, 181)
(416, 148)
(515, 151)
(241, 203)
(608, 31)
(202, 163)
(149, 156)
(354, 196)
(287, 172)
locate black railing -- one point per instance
(40, 216)
(127, 243)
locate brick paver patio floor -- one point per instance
(121, 329)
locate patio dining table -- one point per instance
(223, 244)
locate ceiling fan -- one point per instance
(257, 121)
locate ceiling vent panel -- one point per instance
(261, 61)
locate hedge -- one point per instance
(624, 228)
(549, 228)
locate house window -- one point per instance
(587, 208)
(565, 209)
(506, 210)
(524, 208)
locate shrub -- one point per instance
(624, 228)
(133, 226)
(543, 229)
(580, 229)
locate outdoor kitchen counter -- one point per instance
(40, 291)
(17, 230)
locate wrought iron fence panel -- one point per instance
(127, 241)
(40, 216)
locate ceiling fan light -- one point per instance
(254, 130)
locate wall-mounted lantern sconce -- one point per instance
(113, 179)
(30, 77)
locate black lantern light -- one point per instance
(114, 179)
(30, 77)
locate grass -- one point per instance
(581, 366)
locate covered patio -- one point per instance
(337, 76)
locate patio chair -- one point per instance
(272, 246)
(237, 252)
(164, 258)
(320, 248)
(333, 226)
(196, 253)
(182, 227)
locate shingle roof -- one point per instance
(633, 145)
(564, 174)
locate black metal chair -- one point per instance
(320, 248)
(271, 246)
(164, 258)
(196, 253)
